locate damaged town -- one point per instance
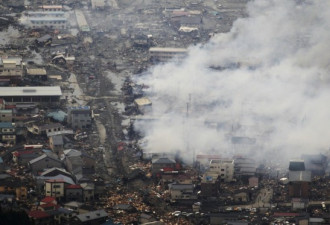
(72, 101)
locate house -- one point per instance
(210, 185)
(9, 185)
(24, 157)
(161, 162)
(79, 162)
(43, 162)
(56, 171)
(44, 129)
(143, 105)
(6, 115)
(47, 200)
(80, 117)
(64, 216)
(88, 191)
(74, 192)
(41, 181)
(55, 188)
(182, 192)
(93, 217)
(8, 132)
(56, 143)
(39, 217)
(74, 205)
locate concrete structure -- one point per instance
(79, 117)
(7, 132)
(210, 185)
(223, 168)
(6, 115)
(38, 74)
(11, 69)
(40, 94)
(81, 21)
(165, 54)
(244, 168)
(47, 19)
(299, 180)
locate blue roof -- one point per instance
(58, 115)
(6, 125)
(1, 160)
(79, 107)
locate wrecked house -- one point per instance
(44, 129)
(159, 163)
(44, 40)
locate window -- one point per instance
(56, 186)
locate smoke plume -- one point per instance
(259, 90)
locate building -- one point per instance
(7, 133)
(47, 19)
(166, 54)
(51, 8)
(93, 217)
(299, 179)
(45, 129)
(163, 162)
(80, 117)
(182, 192)
(36, 74)
(244, 168)
(11, 69)
(55, 188)
(88, 191)
(24, 157)
(81, 21)
(223, 168)
(74, 192)
(79, 162)
(143, 104)
(39, 94)
(43, 162)
(6, 115)
(317, 164)
(210, 185)
(98, 4)
(56, 143)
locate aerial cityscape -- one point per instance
(164, 112)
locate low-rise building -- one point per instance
(80, 117)
(182, 192)
(11, 69)
(56, 143)
(6, 115)
(43, 162)
(47, 19)
(162, 162)
(8, 132)
(36, 74)
(55, 188)
(74, 192)
(224, 168)
(93, 217)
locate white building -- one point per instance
(47, 19)
(223, 168)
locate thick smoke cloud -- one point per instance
(261, 89)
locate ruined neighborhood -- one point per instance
(71, 103)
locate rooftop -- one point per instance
(35, 71)
(92, 215)
(31, 91)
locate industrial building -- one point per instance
(47, 19)
(41, 94)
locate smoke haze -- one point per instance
(260, 89)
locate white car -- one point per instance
(176, 213)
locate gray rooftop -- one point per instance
(300, 176)
(92, 215)
(31, 91)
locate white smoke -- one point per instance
(267, 80)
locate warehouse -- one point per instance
(46, 94)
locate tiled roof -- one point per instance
(48, 199)
(37, 214)
(73, 186)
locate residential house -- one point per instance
(88, 191)
(93, 217)
(74, 192)
(210, 185)
(44, 129)
(56, 143)
(80, 117)
(43, 162)
(39, 217)
(161, 162)
(9, 185)
(180, 192)
(55, 188)
(41, 180)
(56, 171)
(24, 157)
(6, 115)
(79, 162)
(8, 132)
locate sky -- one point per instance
(260, 90)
